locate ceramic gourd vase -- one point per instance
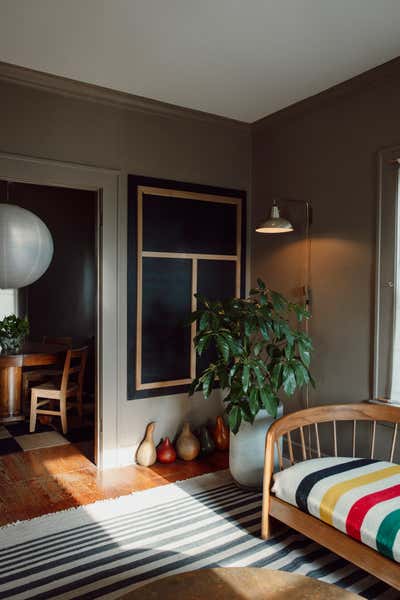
(146, 454)
(187, 444)
(207, 445)
(166, 452)
(221, 435)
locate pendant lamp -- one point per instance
(26, 247)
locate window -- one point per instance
(182, 239)
(387, 312)
(8, 303)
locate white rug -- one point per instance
(105, 549)
(46, 439)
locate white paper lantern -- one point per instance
(26, 247)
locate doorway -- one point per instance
(61, 305)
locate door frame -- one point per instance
(107, 183)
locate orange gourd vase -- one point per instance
(166, 452)
(221, 435)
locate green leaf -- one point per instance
(278, 301)
(204, 321)
(223, 347)
(305, 354)
(261, 284)
(207, 381)
(246, 377)
(202, 343)
(289, 350)
(234, 419)
(301, 372)
(269, 400)
(194, 386)
(276, 376)
(263, 329)
(289, 380)
(259, 376)
(257, 348)
(253, 401)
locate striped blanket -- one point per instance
(360, 497)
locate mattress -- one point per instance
(358, 496)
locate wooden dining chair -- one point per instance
(40, 375)
(70, 386)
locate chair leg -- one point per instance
(32, 422)
(63, 411)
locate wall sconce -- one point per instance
(275, 223)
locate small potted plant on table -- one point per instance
(13, 331)
(259, 349)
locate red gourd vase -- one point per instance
(166, 452)
(221, 435)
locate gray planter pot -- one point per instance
(246, 450)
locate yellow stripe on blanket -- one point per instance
(332, 496)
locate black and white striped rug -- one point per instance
(105, 549)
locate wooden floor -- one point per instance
(42, 481)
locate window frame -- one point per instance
(386, 274)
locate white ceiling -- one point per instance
(237, 58)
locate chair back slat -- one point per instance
(373, 438)
(280, 460)
(334, 438)
(291, 457)
(317, 440)
(303, 444)
(354, 437)
(79, 356)
(394, 439)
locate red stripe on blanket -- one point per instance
(360, 508)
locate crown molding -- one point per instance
(378, 76)
(121, 100)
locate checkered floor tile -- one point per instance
(15, 437)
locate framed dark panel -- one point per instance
(167, 285)
(185, 225)
(216, 279)
(140, 268)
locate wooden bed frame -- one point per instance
(359, 554)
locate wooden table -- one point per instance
(32, 355)
(238, 584)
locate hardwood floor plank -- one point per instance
(51, 479)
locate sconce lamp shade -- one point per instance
(26, 247)
(275, 223)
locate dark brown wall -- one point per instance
(327, 153)
(42, 123)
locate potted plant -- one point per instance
(13, 331)
(258, 349)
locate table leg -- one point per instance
(10, 394)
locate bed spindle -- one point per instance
(373, 438)
(334, 438)
(291, 457)
(394, 439)
(303, 444)
(354, 437)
